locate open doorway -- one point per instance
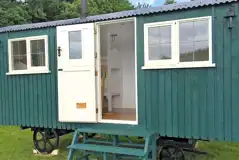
(118, 71)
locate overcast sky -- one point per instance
(154, 2)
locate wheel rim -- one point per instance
(171, 152)
(45, 141)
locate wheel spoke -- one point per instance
(44, 146)
(179, 155)
(49, 142)
(40, 140)
(172, 151)
(42, 134)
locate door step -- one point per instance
(115, 147)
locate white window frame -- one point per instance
(175, 61)
(30, 69)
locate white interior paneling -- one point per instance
(120, 52)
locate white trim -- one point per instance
(118, 121)
(30, 69)
(175, 62)
(98, 65)
(181, 65)
(100, 118)
(28, 72)
(136, 70)
(114, 21)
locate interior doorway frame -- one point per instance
(98, 68)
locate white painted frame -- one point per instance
(100, 119)
(30, 69)
(174, 62)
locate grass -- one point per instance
(17, 145)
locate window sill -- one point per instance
(180, 65)
(28, 72)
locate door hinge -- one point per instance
(96, 110)
(96, 55)
(96, 73)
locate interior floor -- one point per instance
(117, 47)
(119, 116)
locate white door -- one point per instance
(76, 73)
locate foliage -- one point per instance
(169, 1)
(108, 6)
(12, 12)
(30, 11)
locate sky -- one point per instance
(154, 2)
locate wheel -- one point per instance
(45, 141)
(171, 152)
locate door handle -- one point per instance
(59, 51)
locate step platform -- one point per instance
(115, 145)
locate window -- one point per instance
(179, 43)
(75, 43)
(28, 55)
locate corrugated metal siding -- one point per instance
(23, 98)
(31, 100)
(118, 15)
(199, 102)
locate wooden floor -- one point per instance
(119, 116)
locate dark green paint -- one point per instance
(194, 103)
(197, 102)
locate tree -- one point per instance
(108, 6)
(43, 10)
(31, 11)
(12, 12)
(169, 2)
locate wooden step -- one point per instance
(109, 149)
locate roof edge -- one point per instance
(118, 15)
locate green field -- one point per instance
(17, 145)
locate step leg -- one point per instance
(154, 147)
(105, 156)
(115, 143)
(86, 156)
(71, 154)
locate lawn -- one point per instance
(17, 145)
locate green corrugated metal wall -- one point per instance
(31, 100)
(28, 99)
(199, 102)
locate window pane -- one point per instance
(201, 52)
(19, 56)
(201, 30)
(186, 51)
(160, 51)
(159, 42)
(194, 41)
(186, 31)
(75, 44)
(198, 51)
(38, 52)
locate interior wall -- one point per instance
(124, 43)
